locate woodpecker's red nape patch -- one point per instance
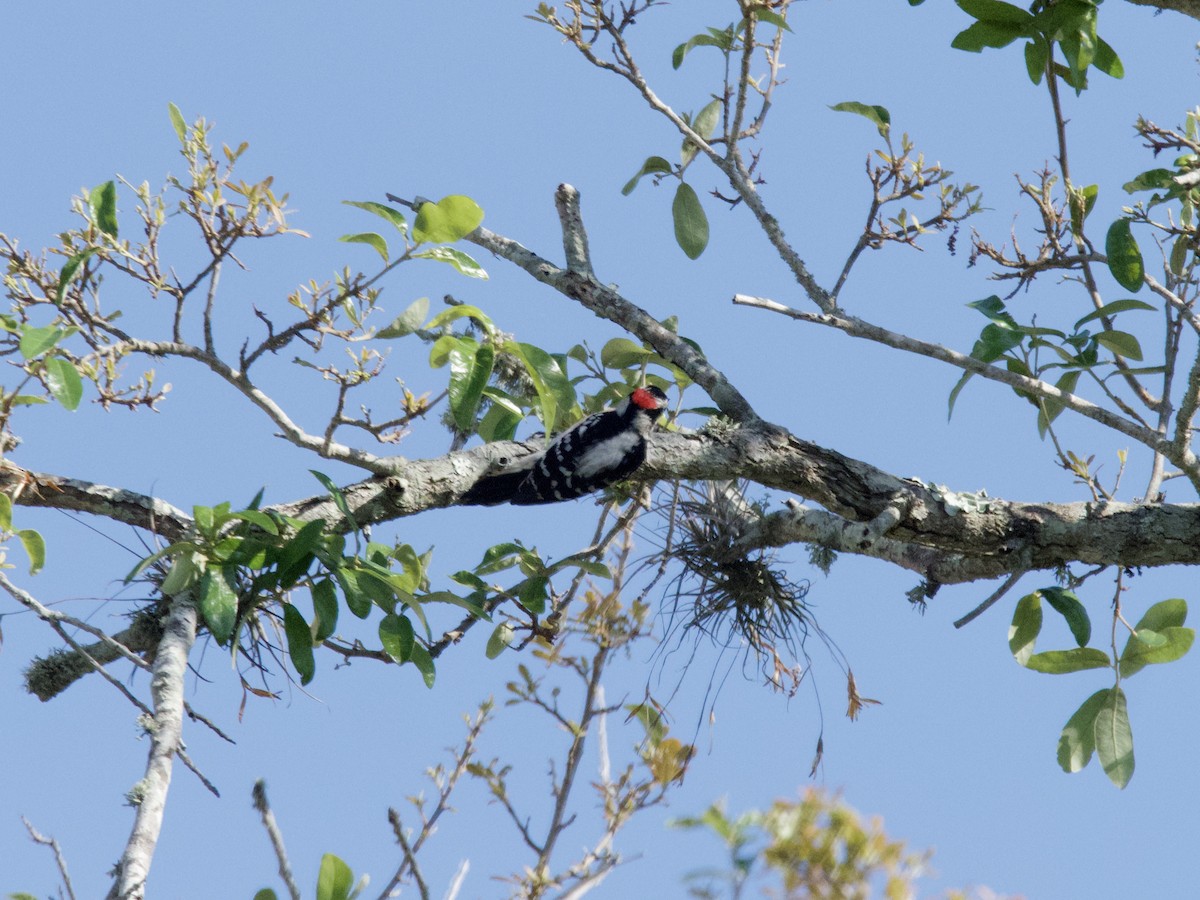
(644, 399)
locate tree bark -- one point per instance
(149, 796)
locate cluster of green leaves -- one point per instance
(40, 347)
(1071, 354)
(335, 881)
(1179, 184)
(45, 361)
(1101, 724)
(1068, 24)
(687, 213)
(236, 561)
(494, 379)
(444, 222)
(816, 847)
(531, 593)
(474, 362)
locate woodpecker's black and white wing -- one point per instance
(596, 452)
(601, 450)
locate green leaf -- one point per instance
(465, 263)
(986, 34)
(499, 423)
(995, 340)
(1060, 662)
(1108, 310)
(651, 720)
(1114, 738)
(992, 307)
(408, 321)
(955, 391)
(334, 880)
(879, 115)
(591, 566)
(704, 125)
(1079, 46)
(69, 269)
(652, 165)
(446, 221)
(205, 520)
(496, 558)
(185, 569)
(1124, 257)
(1107, 61)
(102, 202)
(339, 498)
(722, 40)
(265, 894)
(501, 637)
(556, 394)
(1078, 739)
(35, 549)
(64, 382)
(457, 312)
(424, 662)
(533, 593)
(1083, 201)
(397, 636)
(770, 17)
(371, 239)
(691, 224)
(325, 609)
(1151, 180)
(1164, 614)
(357, 600)
(1025, 627)
(296, 555)
(177, 122)
(1148, 647)
(384, 212)
(1067, 605)
(470, 604)
(995, 11)
(259, 520)
(1179, 252)
(1049, 408)
(622, 353)
(218, 601)
(469, 374)
(300, 643)
(1037, 53)
(1121, 343)
(36, 341)
(5, 514)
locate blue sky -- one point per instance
(350, 101)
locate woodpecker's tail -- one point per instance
(493, 489)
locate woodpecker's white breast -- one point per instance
(607, 455)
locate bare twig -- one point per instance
(858, 328)
(38, 838)
(983, 607)
(445, 785)
(259, 793)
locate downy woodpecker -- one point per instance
(597, 451)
